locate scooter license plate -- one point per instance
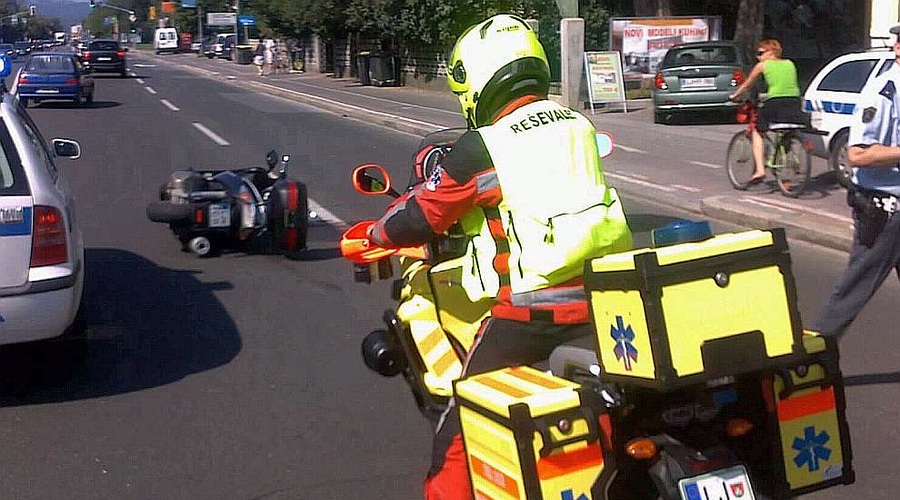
(219, 215)
(732, 483)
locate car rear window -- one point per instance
(699, 56)
(54, 63)
(103, 45)
(848, 77)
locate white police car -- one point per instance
(832, 98)
(41, 246)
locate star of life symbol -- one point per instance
(811, 448)
(624, 350)
(570, 495)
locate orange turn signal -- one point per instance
(641, 449)
(737, 427)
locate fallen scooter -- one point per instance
(696, 385)
(212, 210)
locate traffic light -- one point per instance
(32, 9)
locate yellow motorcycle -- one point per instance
(700, 383)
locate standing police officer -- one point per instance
(875, 197)
(532, 167)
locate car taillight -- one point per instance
(48, 244)
(121, 54)
(23, 80)
(86, 54)
(660, 82)
(737, 78)
(71, 81)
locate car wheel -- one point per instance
(837, 159)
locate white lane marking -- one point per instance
(405, 105)
(358, 108)
(328, 217)
(798, 208)
(170, 105)
(139, 65)
(212, 135)
(139, 80)
(150, 89)
(630, 150)
(707, 165)
(628, 178)
(687, 188)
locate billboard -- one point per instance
(643, 41)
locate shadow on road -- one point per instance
(147, 326)
(872, 379)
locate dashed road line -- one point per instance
(628, 178)
(630, 150)
(150, 89)
(170, 105)
(707, 165)
(687, 188)
(139, 80)
(212, 135)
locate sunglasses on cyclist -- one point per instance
(761, 52)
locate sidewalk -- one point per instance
(824, 222)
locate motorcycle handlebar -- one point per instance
(357, 248)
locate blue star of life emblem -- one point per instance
(624, 336)
(811, 448)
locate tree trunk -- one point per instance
(749, 28)
(652, 8)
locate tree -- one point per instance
(749, 27)
(652, 8)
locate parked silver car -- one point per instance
(41, 245)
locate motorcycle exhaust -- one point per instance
(383, 354)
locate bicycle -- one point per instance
(787, 155)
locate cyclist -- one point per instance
(782, 104)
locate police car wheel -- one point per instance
(837, 160)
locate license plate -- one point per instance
(724, 484)
(104, 58)
(694, 83)
(219, 215)
(46, 91)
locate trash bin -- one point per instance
(362, 68)
(383, 69)
(298, 57)
(243, 54)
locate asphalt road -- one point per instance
(239, 377)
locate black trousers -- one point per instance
(866, 271)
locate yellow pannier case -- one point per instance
(683, 314)
(530, 435)
(808, 400)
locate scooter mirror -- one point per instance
(271, 158)
(605, 144)
(372, 179)
(285, 158)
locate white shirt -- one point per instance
(877, 121)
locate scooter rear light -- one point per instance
(199, 216)
(737, 427)
(86, 54)
(641, 449)
(48, 244)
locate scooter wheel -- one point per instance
(200, 246)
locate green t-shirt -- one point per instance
(781, 78)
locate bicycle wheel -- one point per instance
(792, 165)
(739, 161)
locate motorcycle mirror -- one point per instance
(285, 158)
(271, 158)
(605, 144)
(373, 179)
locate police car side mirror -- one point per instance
(66, 148)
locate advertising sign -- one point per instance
(604, 77)
(221, 18)
(644, 41)
(188, 4)
(246, 20)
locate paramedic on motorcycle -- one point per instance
(532, 167)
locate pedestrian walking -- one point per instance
(874, 194)
(269, 55)
(259, 56)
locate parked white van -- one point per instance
(165, 40)
(833, 96)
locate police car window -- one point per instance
(39, 146)
(886, 65)
(848, 77)
(12, 177)
(6, 174)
